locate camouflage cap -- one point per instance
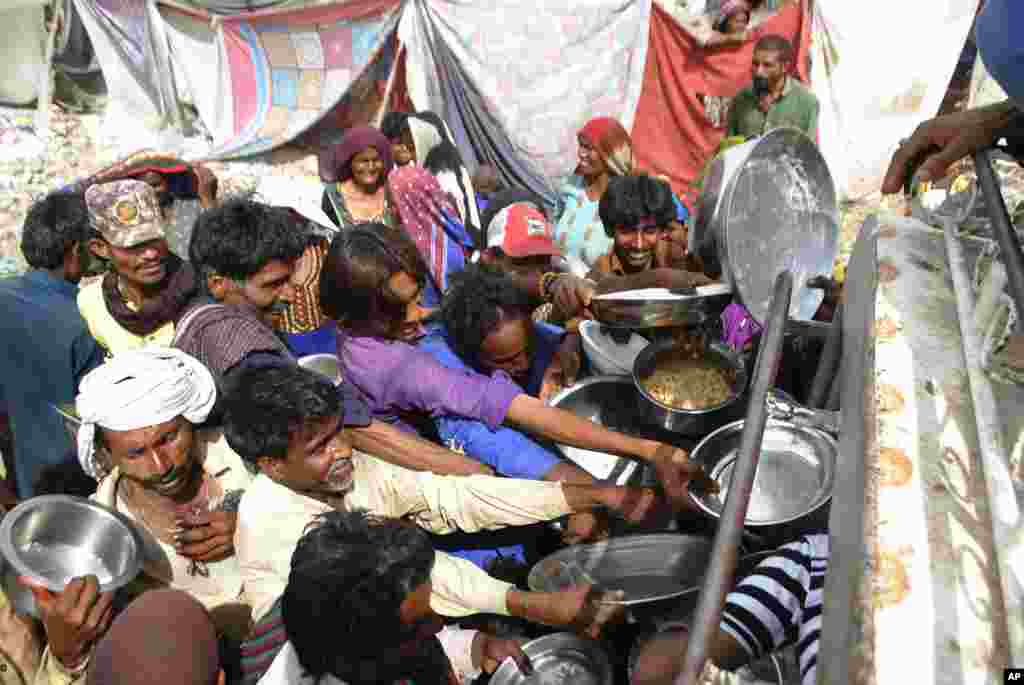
(126, 213)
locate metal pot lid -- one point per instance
(656, 307)
(777, 211)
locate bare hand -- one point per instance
(585, 526)
(587, 610)
(75, 618)
(563, 369)
(208, 536)
(489, 652)
(571, 295)
(676, 472)
(206, 182)
(635, 504)
(954, 136)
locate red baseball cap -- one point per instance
(521, 230)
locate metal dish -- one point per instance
(613, 402)
(769, 205)
(657, 307)
(606, 354)
(54, 538)
(685, 421)
(795, 472)
(327, 365)
(559, 659)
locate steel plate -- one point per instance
(657, 307)
(558, 659)
(795, 473)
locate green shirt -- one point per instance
(797, 108)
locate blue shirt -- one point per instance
(45, 349)
(1000, 46)
(504, 449)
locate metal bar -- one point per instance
(1002, 497)
(833, 401)
(725, 553)
(1006, 236)
(827, 368)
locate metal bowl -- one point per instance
(647, 568)
(607, 355)
(657, 307)
(560, 658)
(795, 472)
(611, 401)
(697, 422)
(54, 538)
(327, 365)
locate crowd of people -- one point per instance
(300, 529)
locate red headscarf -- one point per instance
(612, 142)
(335, 161)
(422, 207)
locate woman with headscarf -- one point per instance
(430, 217)
(434, 149)
(605, 150)
(354, 173)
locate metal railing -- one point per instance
(725, 553)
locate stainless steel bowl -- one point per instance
(613, 402)
(647, 568)
(560, 658)
(795, 473)
(685, 421)
(657, 307)
(327, 365)
(54, 538)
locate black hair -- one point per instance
(356, 268)
(392, 124)
(241, 236)
(264, 407)
(478, 299)
(774, 43)
(350, 574)
(52, 226)
(630, 199)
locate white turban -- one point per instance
(138, 389)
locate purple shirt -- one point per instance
(396, 379)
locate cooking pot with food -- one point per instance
(691, 389)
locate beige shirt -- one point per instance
(272, 518)
(220, 592)
(108, 332)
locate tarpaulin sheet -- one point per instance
(516, 79)
(869, 99)
(282, 71)
(681, 116)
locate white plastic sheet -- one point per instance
(879, 69)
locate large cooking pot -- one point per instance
(770, 205)
(686, 421)
(795, 472)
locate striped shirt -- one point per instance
(779, 604)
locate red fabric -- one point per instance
(672, 134)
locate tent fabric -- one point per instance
(681, 115)
(282, 71)
(514, 88)
(868, 101)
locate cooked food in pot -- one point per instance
(688, 378)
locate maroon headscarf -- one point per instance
(612, 142)
(335, 161)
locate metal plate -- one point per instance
(648, 568)
(657, 307)
(559, 659)
(770, 205)
(795, 473)
(613, 402)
